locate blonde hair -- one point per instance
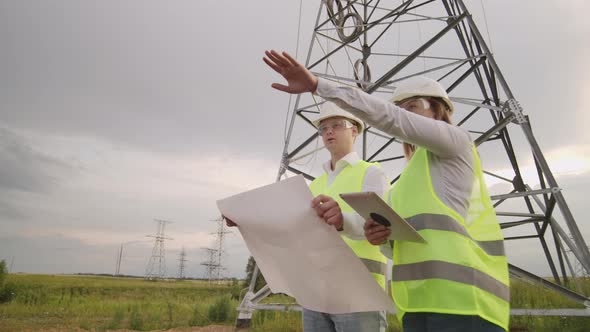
(441, 113)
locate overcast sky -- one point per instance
(116, 113)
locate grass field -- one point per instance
(104, 303)
(95, 303)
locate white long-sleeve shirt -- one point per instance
(374, 180)
(450, 156)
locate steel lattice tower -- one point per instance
(182, 260)
(214, 265)
(374, 45)
(220, 239)
(156, 268)
(211, 265)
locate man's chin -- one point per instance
(331, 145)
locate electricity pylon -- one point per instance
(375, 45)
(182, 260)
(214, 265)
(156, 268)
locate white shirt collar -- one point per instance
(350, 159)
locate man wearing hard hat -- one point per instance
(346, 172)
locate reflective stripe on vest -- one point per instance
(446, 223)
(452, 272)
(462, 269)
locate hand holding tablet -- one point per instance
(370, 206)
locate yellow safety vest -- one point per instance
(462, 269)
(350, 179)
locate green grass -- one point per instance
(525, 296)
(101, 303)
(105, 303)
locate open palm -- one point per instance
(299, 79)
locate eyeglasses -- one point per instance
(411, 102)
(335, 126)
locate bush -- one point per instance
(220, 310)
(7, 290)
(118, 317)
(265, 321)
(170, 312)
(260, 281)
(7, 293)
(262, 316)
(3, 272)
(198, 319)
(135, 320)
(235, 291)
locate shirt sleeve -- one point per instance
(439, 137)
(352, 223)
(387, 249)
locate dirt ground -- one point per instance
(210, 328)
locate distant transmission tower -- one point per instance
(156, 268)
(182, 260)
(211, 266)
(214, 264)
(119, 256)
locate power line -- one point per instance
(120, 254)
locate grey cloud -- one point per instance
(187, 78)
(27, 169)
(55, 254)
(171, 83)
(10, 213)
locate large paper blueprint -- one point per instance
(299, 254)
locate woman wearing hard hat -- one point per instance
(457, 280)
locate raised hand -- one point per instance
(299, 79)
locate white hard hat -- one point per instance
(421, 86)
(330, 110)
